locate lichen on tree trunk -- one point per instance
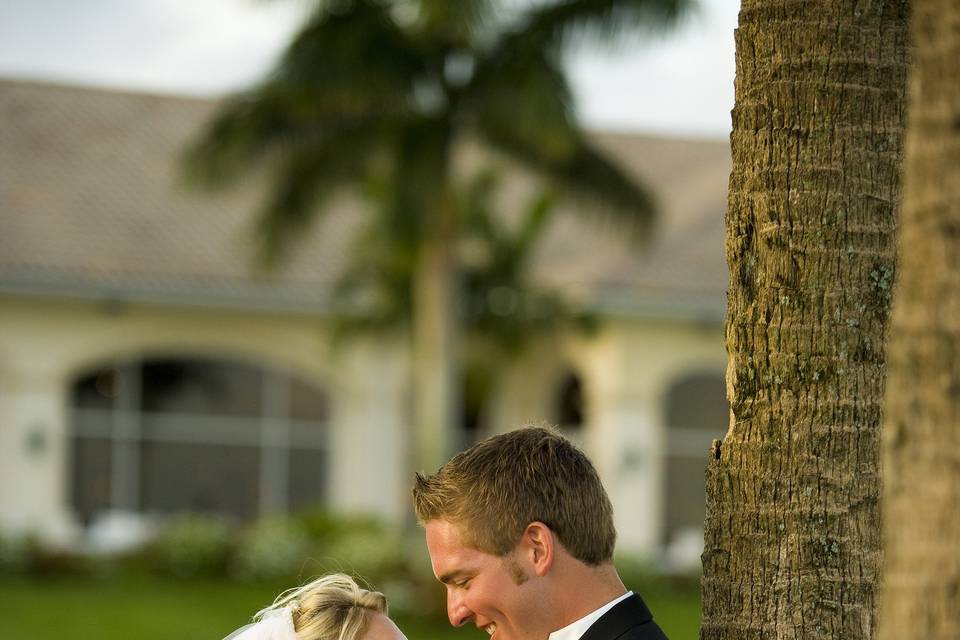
(921, 441)
(792, 545)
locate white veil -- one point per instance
(276, 624)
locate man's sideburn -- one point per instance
(517, 573)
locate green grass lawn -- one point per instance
(144, 607)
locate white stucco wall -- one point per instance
(626, 370)
(45, 345)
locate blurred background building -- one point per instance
(147, 367)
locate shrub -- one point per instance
(272, 548)
(325, 528)
(16, 553)
(375, 556)
(55, 561)
(415, 590)
(358, 545)
(27, 554)
(384, 557)
(643, 576)
(192, 545)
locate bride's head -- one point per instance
(335, 607)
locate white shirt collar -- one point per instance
(574, 630)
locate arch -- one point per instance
(695, 411)
(691, 401)
(477, 387)
(569, 409)
(308, 367)
(173, 433)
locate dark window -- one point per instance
(192, 386)
(698, 402)
(696, 413)
(90, 476)
(193, 435)
(308, 468)
(477, 388)
(307, 402)
(209, 478)
(569, 403)
(97, 390)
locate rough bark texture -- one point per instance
(792, 542)
(921, 440)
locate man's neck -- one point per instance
(576, 629)
(585, 589)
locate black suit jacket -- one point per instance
(629, 620)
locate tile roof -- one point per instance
(91, 206)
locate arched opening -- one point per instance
(166, 435)
(696, 413)
(568, 409)
(477, 388)
(568, 403)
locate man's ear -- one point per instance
(539, 545)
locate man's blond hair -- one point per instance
(497, 487)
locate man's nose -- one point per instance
(457, 611)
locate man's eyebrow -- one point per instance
(452, 576)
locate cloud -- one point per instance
(680, 84)
(170, 45)
(677, 83)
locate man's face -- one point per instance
(498, 595)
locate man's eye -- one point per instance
(462, 584)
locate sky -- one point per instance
(678, 84)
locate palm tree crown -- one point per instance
(378, 90)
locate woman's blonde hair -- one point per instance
(332, 607)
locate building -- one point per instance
(146, 365)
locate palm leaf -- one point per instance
(303, 182)
(521, 106)
(356, 56)
(244, 131)
(553, 25)
(344, 68)
(540, 212)
(457, 23)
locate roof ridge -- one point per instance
(81, 86)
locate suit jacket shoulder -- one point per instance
(629, 620)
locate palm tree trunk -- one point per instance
(921, 443)
(792, 547)
(436, 338)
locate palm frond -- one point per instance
(588, 175)
(354, 57)
(347, 65)
(540, 212)
(374, 290)
(525, 92)
(521, 106)
(474, 205)
(244, 131)
(510, 249)
(457, 23)
(500, 302)
(555, 24)
(303, 182)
